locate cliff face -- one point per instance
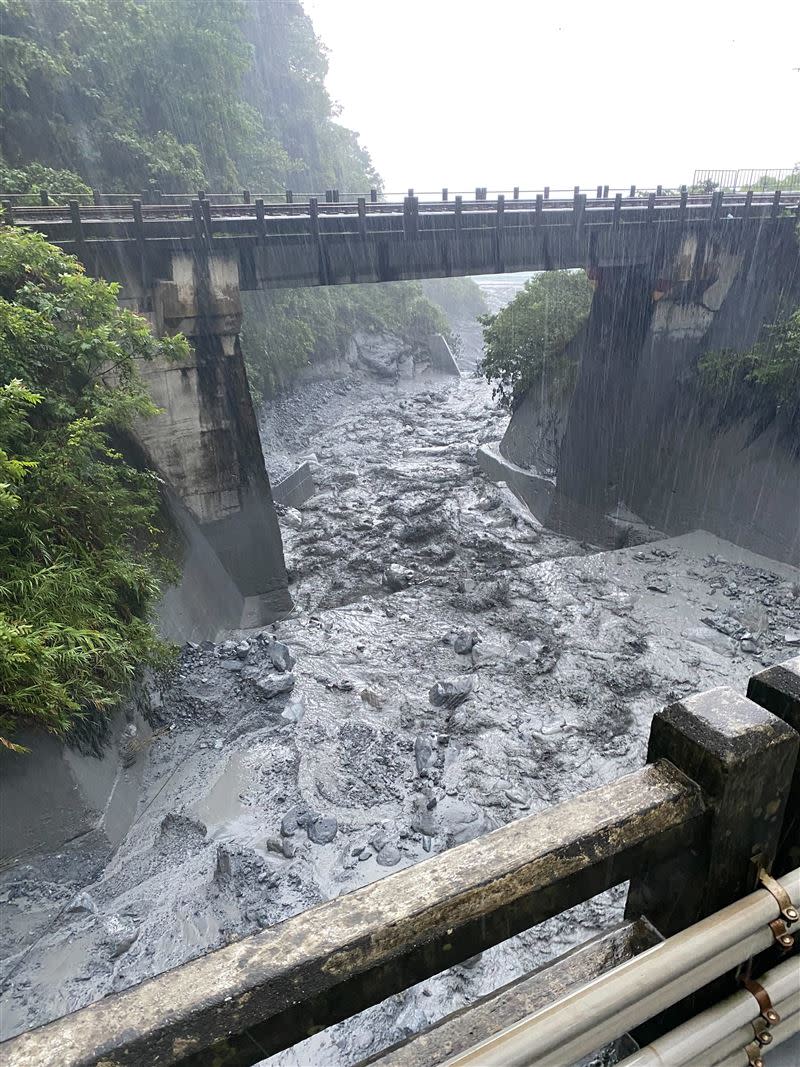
(637, 429)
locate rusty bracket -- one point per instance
(762, 1032)
(783, 937)
(768, 1013)
(788, 910)
(753, 1053)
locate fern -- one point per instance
(79, 566)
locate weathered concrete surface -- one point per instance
(442, 360)
(744, 759)
(205, 441)
(205, 602)
(534, 490)
(298, 487)
(71, 794)
(637, 429)
(366, 945)
(778, 690)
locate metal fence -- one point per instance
(753, 178)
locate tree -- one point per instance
(525, 343)
(225, 93)
(77, 520)
(288, 329)
(763, 381)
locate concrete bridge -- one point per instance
(183, 266)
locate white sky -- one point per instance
(515, 92)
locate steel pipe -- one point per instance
(598, 1012)
(724, 1024)
(789, 1025)
(788, 1029)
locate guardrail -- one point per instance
(690, 831)
(202, 221)
(154, 195)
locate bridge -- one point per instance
(183, 261)
(336, 242)
(707, 834)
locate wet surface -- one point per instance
(457, 666)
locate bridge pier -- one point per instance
(205, 441)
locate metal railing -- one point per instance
(684, 830)
(756, 178)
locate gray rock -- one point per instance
(465, 642)
(451, 693)
(83, 902)
(273, 684)
(231, 664)
(218, 744)
(389, 856)
(292, 518)
(379, 839)
(423, 754)
(280, 656)
(396, 577)
(227, 650)
(120, 934)
(657, 584)
(289, 823)
(749, 644)
(289, 848)
(792, 637)
(294, 710)
(242, 649)
(323, 830)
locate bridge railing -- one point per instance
(690, 831)
(201, 220)
(154, 195)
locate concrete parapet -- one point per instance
(442, 360)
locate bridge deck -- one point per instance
(300, 244)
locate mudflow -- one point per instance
(451, 666)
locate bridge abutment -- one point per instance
(205, 441)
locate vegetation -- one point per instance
(77, 534)
(223, 94)
(526, 343)
(460, 298)
(32, 179)
(287, 329)
(764, 381)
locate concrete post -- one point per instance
(743, 758)
(778, 690)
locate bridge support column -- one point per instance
(593, 449)
(205, 443)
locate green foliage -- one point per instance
(764, 381)
(222, 93)
(31, 179)
(461, 298)
(288, 329)
(525, 343)
(77, 535)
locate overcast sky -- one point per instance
(514, 92)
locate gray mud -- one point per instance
(408, 569)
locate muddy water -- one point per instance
(256, 807)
